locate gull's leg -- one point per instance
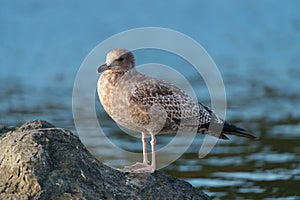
(153, 143)
(145, 156)
(145, 167)
(150, 168)
(145, 162)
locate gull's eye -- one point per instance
(121, 59)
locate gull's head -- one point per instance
(119, 60)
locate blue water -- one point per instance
(255, 45)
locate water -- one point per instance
(255, 45)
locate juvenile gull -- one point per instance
(152, 106)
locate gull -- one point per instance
(152, 106)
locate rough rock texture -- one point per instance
(39, 161)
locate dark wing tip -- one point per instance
(237, 131)
(223, 137)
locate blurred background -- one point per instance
(255, 45)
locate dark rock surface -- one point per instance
(39, 161)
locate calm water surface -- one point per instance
(255, 46)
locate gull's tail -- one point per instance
(234, 130)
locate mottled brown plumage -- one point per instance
(153, 106)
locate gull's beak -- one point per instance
(102, 68)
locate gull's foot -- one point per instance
(135, 166)
(139, 168)
(146, 169)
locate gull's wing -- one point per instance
(181, 110)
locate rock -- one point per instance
(5, 129)
(39, 161)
